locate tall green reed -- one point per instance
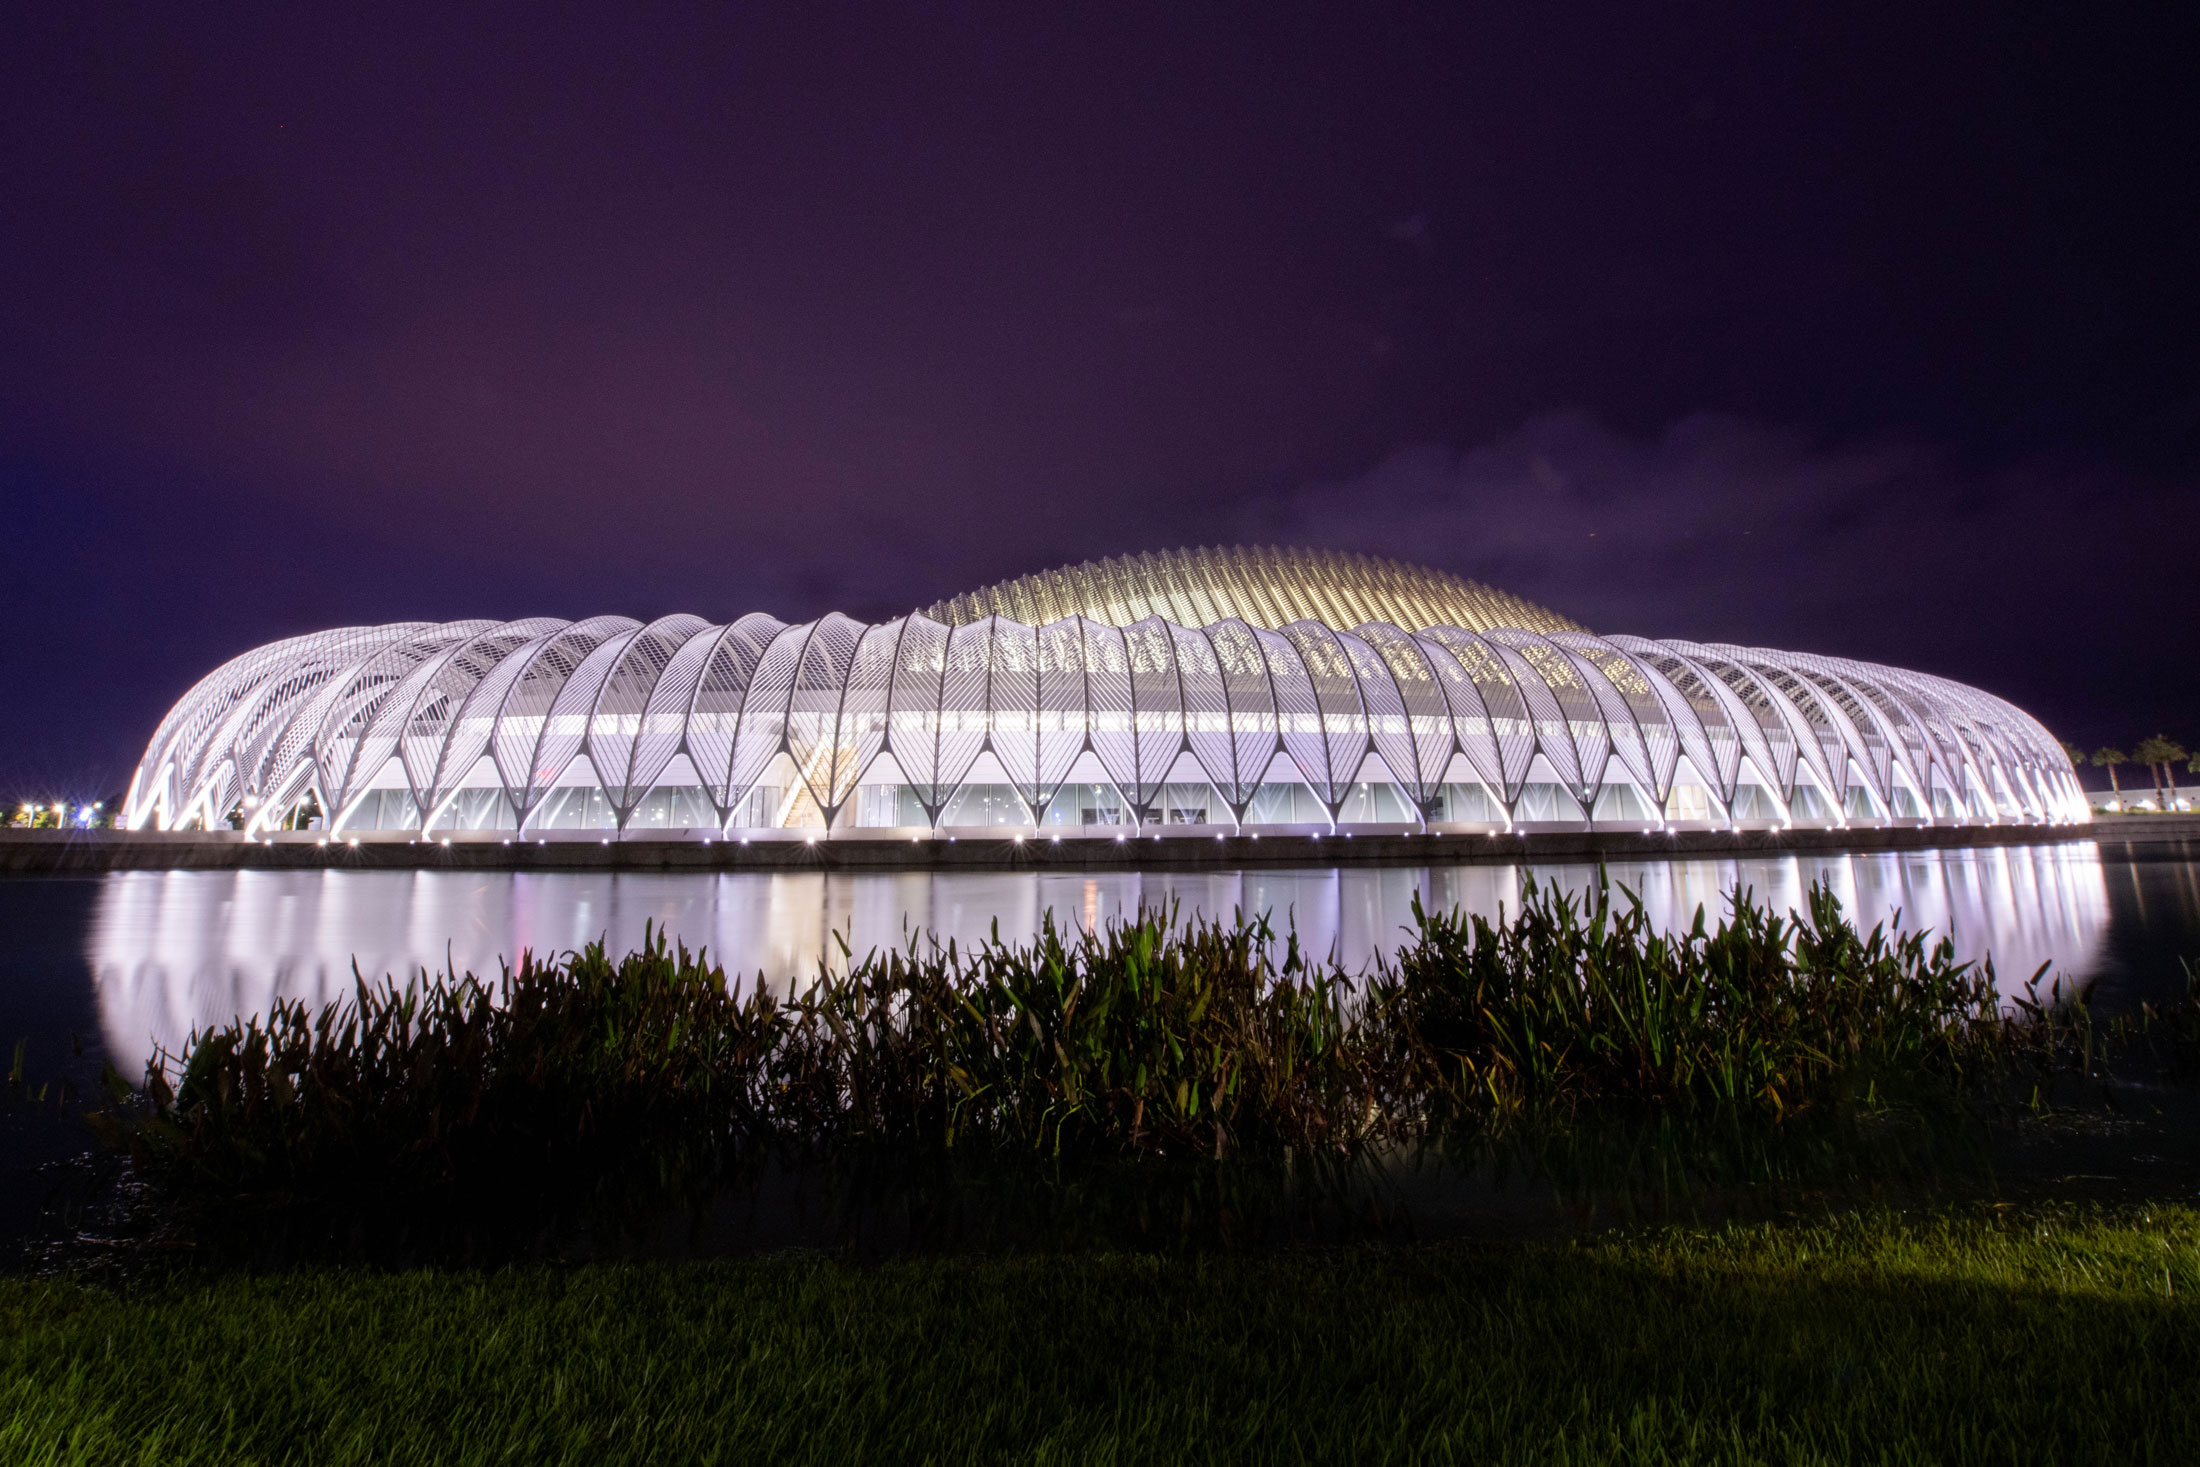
(1570, 1002)
(584, 1092)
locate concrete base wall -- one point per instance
(27, 852)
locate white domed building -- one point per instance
(1181, 693)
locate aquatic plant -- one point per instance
(584, 1092)
(1567, 1003)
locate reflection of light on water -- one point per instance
(174, 950)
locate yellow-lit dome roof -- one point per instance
(1261, 585)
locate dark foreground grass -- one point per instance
(1988, 1337)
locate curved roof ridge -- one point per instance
(1266, 586)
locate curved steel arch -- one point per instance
(340, 712)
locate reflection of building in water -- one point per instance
(175, 950)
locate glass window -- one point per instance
(986, 804)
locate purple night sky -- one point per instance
(1870, 330)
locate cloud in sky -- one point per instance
(1724, 529)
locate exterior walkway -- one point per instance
(27, 852)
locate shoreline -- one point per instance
(59, 852)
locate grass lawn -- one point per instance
(2017, 1336)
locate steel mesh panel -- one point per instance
(198, 736)
(1012, 703)
(2025, 743)
(230, 759)
(713, 712)
(1112, 709)
(616, 724)
(1876, 748)
(1206, 709)
(826, 766)
(1498, 675)
(361, 730)
(1836, 741)
(1329, 758)
(1430, 739)
(1905, 741)
(864, 702)
(1251, 701)
(1985, 760)
(1780, 735)
(1953, 753)
(206, 767)
(175, 743)
(1662, 718)
(964, 713)
(1818, 740)
(477, 725)
(428, 723)
(292, 751)
(1388, 727)
(1577, 731)
(1472, 731)
(1064, 707)
(543, 723)
(218, 790)
(1714, 726)
(914, 721)
(1198, 589)
(1939, 750)
(1641, 739)
(1993, 742)
(1157, 713)
(1298, 715)
(308, 679)
(760, 733)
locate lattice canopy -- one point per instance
(1201, 689)
(1261, 586)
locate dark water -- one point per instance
(106, 967)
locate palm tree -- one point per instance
(2156, 754)
(2108, 759)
